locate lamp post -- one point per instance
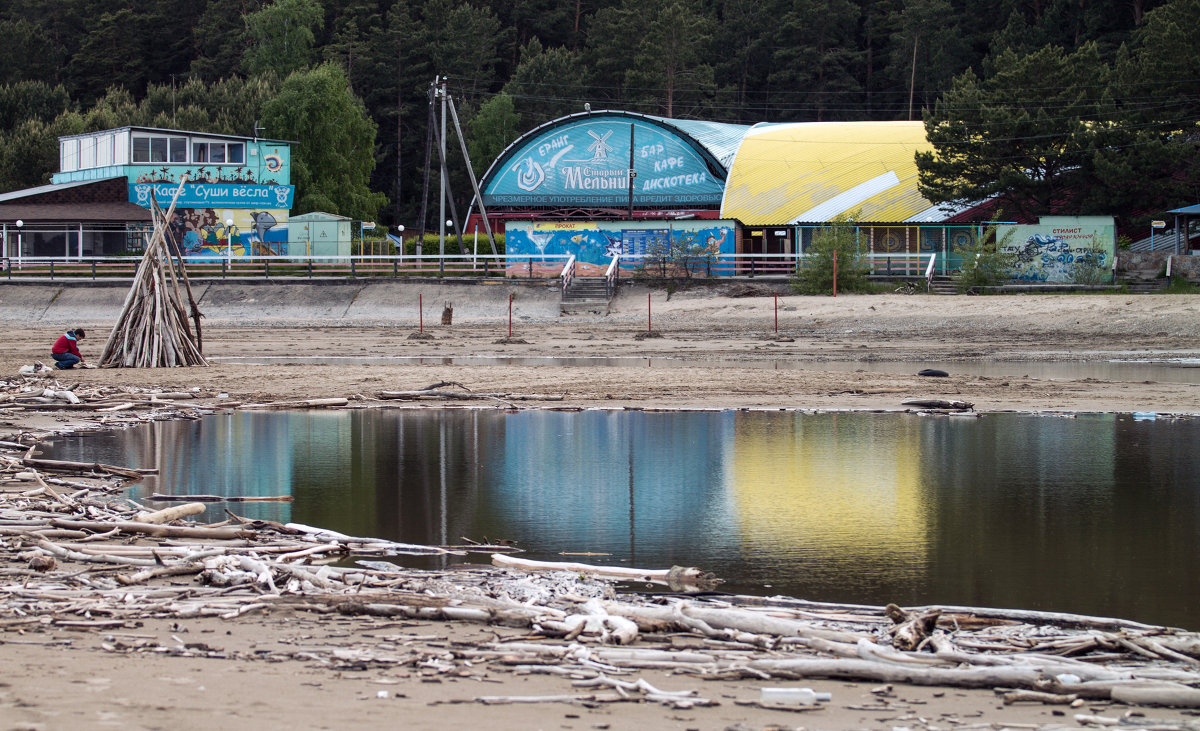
(400, 250)
(229, 240)
(20, 224)
(442, 249)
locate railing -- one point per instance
(612, 276)
(515, 266)
(568, 274)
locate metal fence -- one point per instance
(450, 265)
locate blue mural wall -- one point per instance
(587, 163)
(597, 242)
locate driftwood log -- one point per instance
(154, 328)
(77, 557)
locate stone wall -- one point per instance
(1153, 264)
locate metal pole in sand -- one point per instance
(421, 311)
(648, 327)
(776, 312)
(510, 314)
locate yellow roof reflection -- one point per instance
(850, 492)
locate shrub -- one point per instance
(815, 272)
(984, 263)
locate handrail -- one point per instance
(611, 276)
(568, 275)
(929, 271)
(567, 267)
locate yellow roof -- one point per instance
(812, 172)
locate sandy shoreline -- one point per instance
(65, 678)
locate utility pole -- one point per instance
(912, 83)
(442, 146)
(632, 172)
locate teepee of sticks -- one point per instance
(152, 330)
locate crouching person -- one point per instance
(66, 349)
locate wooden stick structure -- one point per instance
(153, 329)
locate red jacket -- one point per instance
(65, 344)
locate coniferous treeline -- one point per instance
(349, 79)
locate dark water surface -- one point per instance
(1098, 514)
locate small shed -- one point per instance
(319, 234)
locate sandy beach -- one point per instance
(735, 349)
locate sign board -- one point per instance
(209, 195)
(586, 162)
(368, 225)
(1158, 224)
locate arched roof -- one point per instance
(583, 159)
(764, 175)
(811, 172)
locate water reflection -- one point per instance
(1098, 514)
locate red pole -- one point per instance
(421, 311)
(510, 314)
(835, 273)
(776, 312)
(648, 327)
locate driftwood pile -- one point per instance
(153, 330)
(77, 555)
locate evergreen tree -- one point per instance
(1024, 135)
(219, 40)
(492, 129)
(29, 53)
(547, 83)
(31, 100)
(670, 74)
(816, 53)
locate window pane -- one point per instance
(141, 149)
(237, 152)
(178, 149)
(199, 152)
(158, 149)
(216, 152)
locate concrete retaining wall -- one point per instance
(257, 302)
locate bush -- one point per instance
(669, 259)
(430, 244)
(815, 273)
(984, 264)
(1088, 269)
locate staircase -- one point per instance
(585, 294)
(942, 284)
(1139, 283)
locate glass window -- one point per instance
(237, 152)
(199, 152)
(179, 149)
(158, 149)
(216, 152)
(141, 149)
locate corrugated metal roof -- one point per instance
(812, 172)
(720, 139)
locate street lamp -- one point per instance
(20, 223)
(229, 239)
(400, 249)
